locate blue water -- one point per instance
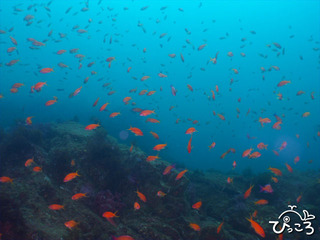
(292, 24)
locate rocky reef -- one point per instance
(110, 175)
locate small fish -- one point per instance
(114, 114)
(136, 206)
(136, 131)
(191, 130)
(282, 83)
(103, 107)
(197, 205)
(219, 227)
(156, 136)
(289, 167)
(180, 175)
(189, 147)
(5, 179)
(92, 126)
(123, 237)
(78, 196)
(173, 90)
(159, 147)
(248, 192)
(141, 196)
(56, 207)
(46, 70)
(262, 146)
(71, 224)
(37, 169)
(275, 171)
(247, 152)
(194, 226)
(146, 112)
(71, 176)
(261, 202)
(29, 162)
(212, 145)
(168, 169)
(28, 121)
(229, 180)
(266, 189)
(257, 228)
(161, 194)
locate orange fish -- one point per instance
(152, 120)
(296, 159)
(234, 164)
(73, 163)
(221, 116)
(255, 155)
(288, 167)
(38, 86)
(274, 179)
(142, 92)
(212, 145)
(224, 154)
(146, 112)
(191, 130)
(219, 227)
(161, 194)
(151, 93)
(77, 91)
(114, 114)
(71, 224)
(247, 152)
(78, 196)
(145, 78)
(136, 131)
(264, 120)
(51, 102)
(299, 198)
(126, 99)
(276, 125)
(180, 175)
(261, 202)
(141, 196)
(136, 206)
(5, 179)
(190, 87)
(189, 147)
(197, 205)
(37, 169)
(96, 102)
(130, 150)
(109, 214)
(71, 176)
(28, 120)
(46, 70)
(254, 214)
(156, 136)
(159, 147)
(262, 146)
(29, 162)
(194, 226)
(248, 192)
(282, 83)
(213, 95)
(275, 171)
(56, 207)
(123, 237)
(257, 228)
(306, 114)
(151, 158)
(103, 107)
(92, 126)
(168, 169)
(229, 180)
